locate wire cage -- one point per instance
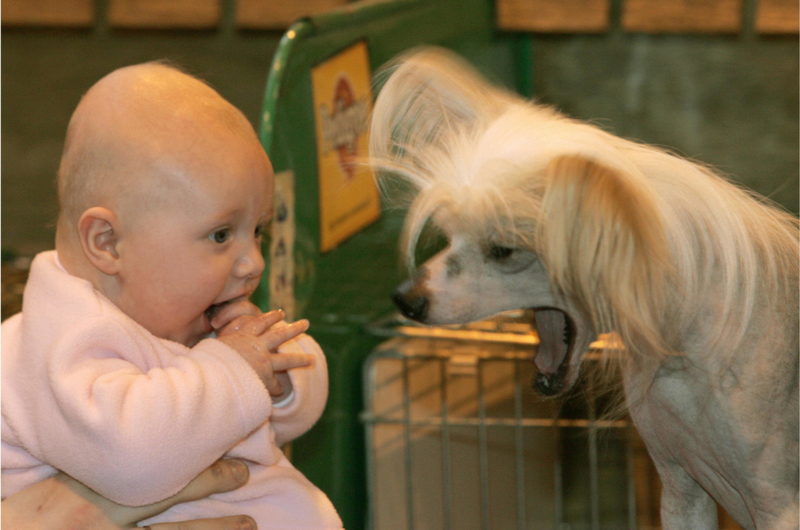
(457, 438)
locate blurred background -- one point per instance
(713, 80)
(719, 84)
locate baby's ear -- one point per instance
(99, 240)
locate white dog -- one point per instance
(698, 279)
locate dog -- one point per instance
(695, 277)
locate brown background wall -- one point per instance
(716, 80)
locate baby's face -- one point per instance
(202, 246)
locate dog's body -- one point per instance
(598, 234)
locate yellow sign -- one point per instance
(348, 196)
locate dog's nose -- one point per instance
(411, 301)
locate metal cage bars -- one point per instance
(483, 423)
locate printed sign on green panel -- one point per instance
(348, 195)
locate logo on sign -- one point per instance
(343, 123)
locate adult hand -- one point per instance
(62, 503)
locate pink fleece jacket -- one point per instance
(88, 391)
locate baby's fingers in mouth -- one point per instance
(221, 314)
(214, 309)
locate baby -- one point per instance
(137, 360)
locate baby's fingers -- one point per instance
(277, 335)
(282, 362)
(223, 314)
(254, 326)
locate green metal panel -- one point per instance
(345, 289)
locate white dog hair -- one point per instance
(697, 277)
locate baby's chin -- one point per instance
(193, 341)
(190, 338)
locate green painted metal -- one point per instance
(342, 291)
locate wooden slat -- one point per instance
(553, 16)
(682, 16)
(647, 484)
(164, 13)
(71, 13)
(778, 16)
(279, 14)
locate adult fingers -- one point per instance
(235, 522)
(277, 335)
(57, 502)
(223, 475)
(282, 362)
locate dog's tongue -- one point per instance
(550, 324)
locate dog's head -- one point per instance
(475, 277)
(538, 212)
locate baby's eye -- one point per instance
(260, 230)
(221, 235)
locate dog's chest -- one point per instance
(684, 424)
(680, 418)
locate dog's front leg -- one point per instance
(685, 505)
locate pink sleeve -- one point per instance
(138, 429)
(310, 387)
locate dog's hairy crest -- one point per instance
(599, 211)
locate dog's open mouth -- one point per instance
(556, 340)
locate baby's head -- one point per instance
(164, 191)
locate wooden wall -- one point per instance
(160, 14)
(647, 16)
(541, 16)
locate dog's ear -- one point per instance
(428, 94)
(603, 240)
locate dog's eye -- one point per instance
(499, 253)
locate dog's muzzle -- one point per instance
(412, 299)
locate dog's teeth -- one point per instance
(567, 331)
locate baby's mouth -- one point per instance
(212, 311)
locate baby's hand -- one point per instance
(222, 315)
(257, 339)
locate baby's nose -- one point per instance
(249, 265)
